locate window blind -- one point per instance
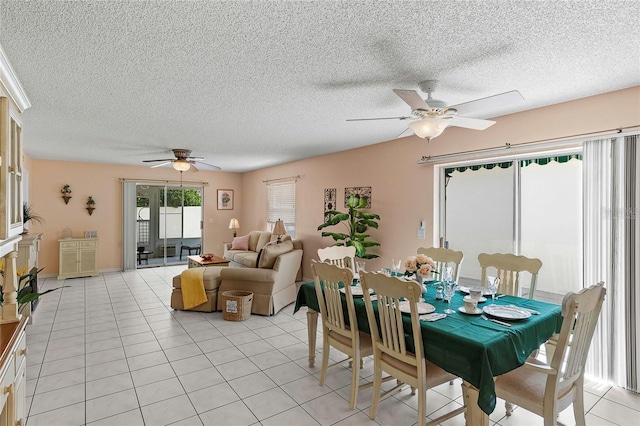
(281, 202)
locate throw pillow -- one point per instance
(240, 243)
(271, 252)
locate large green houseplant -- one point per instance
(357, 222)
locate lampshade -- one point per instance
(234, 224)
(181, 165)
(430, 127)
(278, 229)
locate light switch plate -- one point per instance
(421, 234)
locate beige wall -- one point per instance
(403, 192)
(102, 182)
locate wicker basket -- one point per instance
(236, 305)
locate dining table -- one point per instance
(468, 346)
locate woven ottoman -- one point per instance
(211, 283)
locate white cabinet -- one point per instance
(13, 391)
(78, 258)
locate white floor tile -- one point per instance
(236, 414)
(110, 405)
(69, 415)
(169, 411)
(59, 398)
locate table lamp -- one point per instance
(235, 225)
(279, 230)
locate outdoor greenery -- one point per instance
(357, 222)
(192, 197)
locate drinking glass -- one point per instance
(359, 267)
(395, 265)
(449, 291)
(493, 284)
(447, 274)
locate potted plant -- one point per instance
(91, 205)
(66, 193)
(28, 215)
(25, 293)
(357, 222)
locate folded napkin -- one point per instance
(432, 317)
(192, 283)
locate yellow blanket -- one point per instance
(192, 283)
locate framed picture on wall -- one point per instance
(225, 199)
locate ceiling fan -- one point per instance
(183, 161)
(430, 117)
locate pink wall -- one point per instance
(403, 192)
(102, 182)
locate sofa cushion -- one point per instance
(263, 240)
(246, 258)
(240, 243)
(283, 238)
(271, 252)
(254, 236)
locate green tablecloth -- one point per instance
(466, 345)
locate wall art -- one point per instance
(362, 191)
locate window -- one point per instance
(531, 207)
(281, 204)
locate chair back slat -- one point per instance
(332, 278)
(443, 258)
(508, 267)
(580, 311)
(342, 256)
(389, 337)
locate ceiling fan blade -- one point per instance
(412, 99)
(489, 102)
(154, 161)
(379, 118)
(193, 167)
(194, 158)
(407, 132)
(207, 166)
(471, 123)
(161, 164)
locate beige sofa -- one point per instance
(272, 281)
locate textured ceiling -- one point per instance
(252, 84)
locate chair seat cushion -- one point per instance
(524, 386)
(435, 375)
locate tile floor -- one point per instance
(110, 351)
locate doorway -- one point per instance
(168, 224)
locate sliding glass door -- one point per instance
(168, 224)
(531, 207)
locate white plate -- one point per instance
(478, 311)
(506, 312)
(423, 308)
(356, 291)
(481, 300)
(464, 289)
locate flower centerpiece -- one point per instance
(420, 266)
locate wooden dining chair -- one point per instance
(342, 256)
(444, 257)
(508, 267)
(337, 331)
(547, 389)
(390, 352)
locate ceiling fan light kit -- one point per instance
(183, 161)
(430, 127)
(181, 165)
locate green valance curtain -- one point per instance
(507, 164)
(547, 160)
